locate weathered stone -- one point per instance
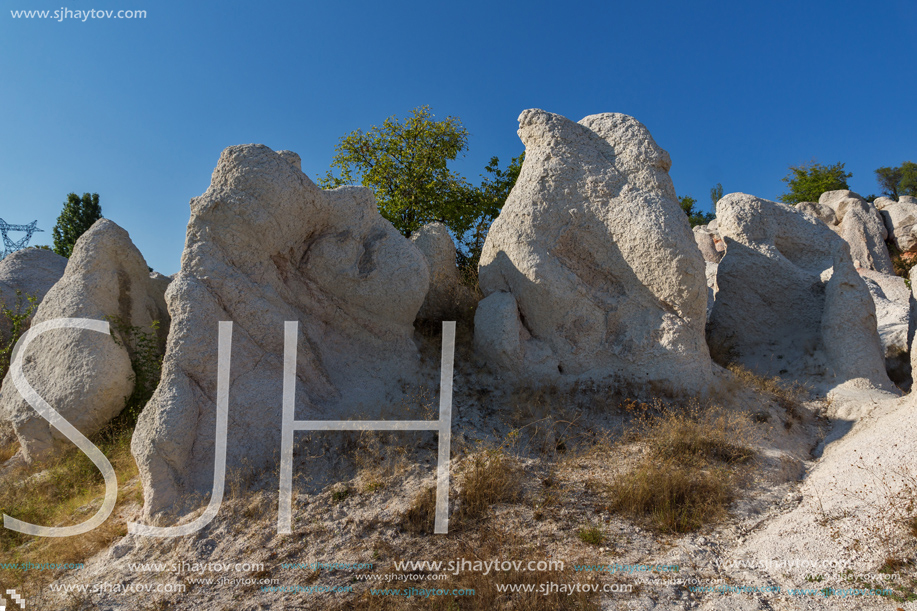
(32, 271)
(591, 270)
(901, 221)
(265, 245)
(789, 300)
(705, 242)
(448, 298)
(861, 225)
(84, 375)
(882, 202)
(891, 297)
(822, 212)
(711, 286)
(907, 199)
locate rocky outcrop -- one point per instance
(789, 300)
(84, 375)
(891, 297)
(265, 245)
(862, 227)
(32, 272)
(591, 270)
(901, 221)
(707, 244)
(448, 298)
(822, 212)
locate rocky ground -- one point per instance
(811, 512)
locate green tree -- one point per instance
(808, 181)
(485, 203)
(898, 181)
(405, 163)
(695, 217)
(716, 194)
(76, 218)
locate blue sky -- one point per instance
(138, 110)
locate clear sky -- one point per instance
(138, 110)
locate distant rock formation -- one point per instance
(707, 243)
(591, 270)
(901, 221)
(789, 300)
(861, 225)
(266, 245)
(891, 297)
(84, 375)
(32, 271)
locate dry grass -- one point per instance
(788, 396)
(8, 451)
(692, 469)
(66, 491)
(673, 497)
(488, 477)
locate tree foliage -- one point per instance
(695, 217)
(898, 181)
(808, 181)
(716, 194)
(76, 218)
(405, 163)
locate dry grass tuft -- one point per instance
(673, 497)
(788, 396)
(691, 471)
(491, 477)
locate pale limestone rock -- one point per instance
(84, 375)
(591, 270)
(822, 212)
(32, 271)
(266, 245)
(448, 298)
(789, 300)
(901, 221)
(892, 299)
(861, 225)
(707, 245)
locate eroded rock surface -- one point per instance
(789, 300)
(266, 245)
(892, 297)
(862, 227)
(591, 270)
(32, 271)
(85, 375)
(447, 298)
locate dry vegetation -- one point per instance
(68, 490)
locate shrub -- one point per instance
(146, 361)
(18, 316)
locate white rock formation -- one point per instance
(591, 270)
(822, 212)
(448, 298)
(266, 245)
(707, 244)
(861, 225)
(711, 286)
(789, 300)
(32, 271)
(891, 297)
(901, 221)
(84, 375)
